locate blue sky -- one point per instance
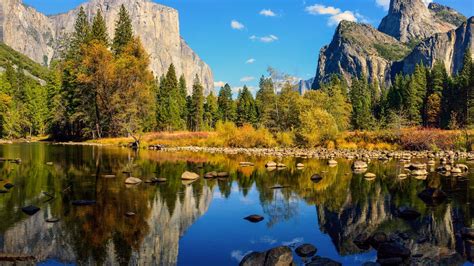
(284, 34)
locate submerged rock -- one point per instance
(210, 175)
(189, 176)
(320, 261)
(432, 196)
(370, 176)
(30, 210)
(316, 178)
(255, 218)
(393, 250)
(362, 241)
(223, 174)
(407, 213)
(306, 250)
(359, 165)
(271, 164)
(377, 239)
(52, 220)
(83, 202)
(8, 186)
(280, 256)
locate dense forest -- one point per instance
(102, 87)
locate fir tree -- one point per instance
(362, 117)
(123, 31)
(265, 101)
(210, 111)
(99, 29)
(246, 109)
(226, 106)
(196, 111)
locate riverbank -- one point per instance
(385, 140)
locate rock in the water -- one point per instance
(8, 186)
(370, 176)
(320, 261)
(254, 218)
(377, 239)
(299, 165)
(392, 250)
(246, 164)
(223, 174)
(108, 176)
(210, 175)
(52, 220)
(402, 176)
(130, 214)
(421, 172)
(271, 164)
(49, 163)
(83, 202)
(133, 181)
(30, 210)
(189, 176)
(358, 165)
(306, 250)
(332, 162)
(161, 180)
(316, 178)
(463, 167)
(407, 213)
(362, 241)
(432, 196)
(279, 256)
(281, 165)
(2, 191)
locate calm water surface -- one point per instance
(202, 223)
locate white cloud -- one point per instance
(336, 15)
(236, 25)
(267, 13)
(322, 10)
(219, 84)
(386, 3)
(266, 39)
(247, 79)
(250, 61)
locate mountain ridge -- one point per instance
(381, 53)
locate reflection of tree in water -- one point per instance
(282, 207)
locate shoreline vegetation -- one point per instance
(102, 88)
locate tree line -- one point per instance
(103, 87)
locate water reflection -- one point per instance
(175, 223)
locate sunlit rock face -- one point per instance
(39, 36)
(411, 20)
(33, 236)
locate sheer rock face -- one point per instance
(357, 49)
(411, 20)
(448, 48)
(36, 35)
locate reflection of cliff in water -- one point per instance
(33, 236)
(433, 235)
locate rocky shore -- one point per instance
(448, 156)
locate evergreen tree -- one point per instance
(246, 109)
(196, 111)
(362, 117)
(414, 95)
(226, 106)
(181, 100)
(437, 81)
(123, 31)
(169, 115)
(81, 34)
(210, 111)
(287, 112)
(99, 29)
(466, 86)
(265, 101)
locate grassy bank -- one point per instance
(248, 137)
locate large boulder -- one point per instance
(279, 256)
(133, 181)
(359, 165)
(306, 250)
(393, 250)
(189, 176)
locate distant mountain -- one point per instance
(39, 36)
(410, 33)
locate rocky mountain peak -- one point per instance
(37, 35)
(412, 20)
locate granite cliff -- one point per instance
(38, 36)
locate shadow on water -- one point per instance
(201, 222)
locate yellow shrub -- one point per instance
(285, 139)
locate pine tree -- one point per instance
(210, 111)
(433, 106)
(99, 29)
(123, 31)
(246, 109)
(196, 111)
(362, 117)
(81, 34)
(181, 100)
(466, 87)
(226, 106)
(168, 111)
